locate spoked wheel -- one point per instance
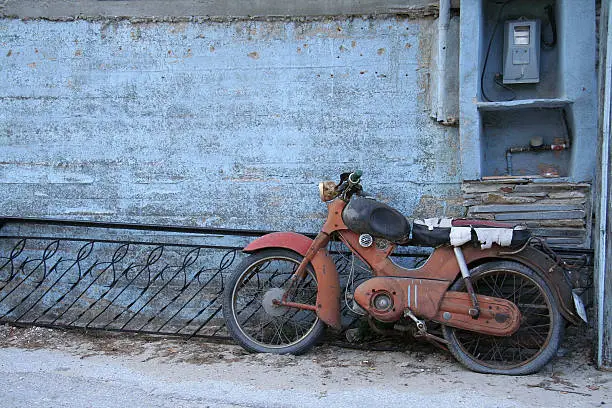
(255, 321)
(536, 341)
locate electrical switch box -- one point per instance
(522, 52)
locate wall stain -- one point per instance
(136, 34)
(424, 58)
(178, 28)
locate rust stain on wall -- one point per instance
(425, 36)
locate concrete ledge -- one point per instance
(63, 9)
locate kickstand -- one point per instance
(435, 340)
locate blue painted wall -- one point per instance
(226, 124)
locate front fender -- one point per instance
(328, 294)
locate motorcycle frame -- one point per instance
(442, 266)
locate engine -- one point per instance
(386, 298)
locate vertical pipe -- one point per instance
(443, 23)
(603, 204)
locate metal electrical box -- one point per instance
(522, 52)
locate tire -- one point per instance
(536, 341)
(251, 318)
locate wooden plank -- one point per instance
(566, 194)
(542, 215)
(574, 201)
(496, 198)
(481, 216)
(471, 202)
(502, 179)
(536, 194)
(560, 232)
(471, 195)
(552, 187)
(506, 179)
(482, 188)
(499, 208)
(577, 223)
(565, 241)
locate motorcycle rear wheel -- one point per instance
(254, 321)
(540, 333)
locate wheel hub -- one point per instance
(268, 299)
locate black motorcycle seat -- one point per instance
(434, 232)
(365, 215)
(476, 223)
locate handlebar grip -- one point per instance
(355, 176)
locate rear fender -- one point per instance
(538, 261)
(328, 295)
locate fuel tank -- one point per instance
(367, 216)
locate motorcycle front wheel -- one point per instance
(540, 333)
(252, 318)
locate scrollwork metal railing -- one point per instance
(123, 277)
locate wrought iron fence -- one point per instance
(126, 277)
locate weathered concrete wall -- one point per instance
(226, 124)
(186, 8)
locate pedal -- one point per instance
(420, 324)
(422, 331)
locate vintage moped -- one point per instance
(500, 296)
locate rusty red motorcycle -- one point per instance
(500, 296)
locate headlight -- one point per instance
(327, 190)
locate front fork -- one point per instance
(320, 241)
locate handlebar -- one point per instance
(355, 176)
(349, 184)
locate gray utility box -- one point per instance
(522, 52)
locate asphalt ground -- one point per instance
(52, 368)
